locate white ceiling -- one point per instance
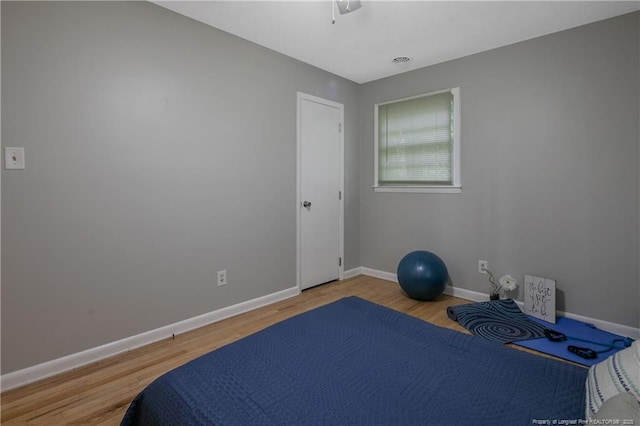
(360, 45)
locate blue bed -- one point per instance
(353, 362)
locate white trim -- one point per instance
(474, 296)
(351, 273)
(611, 327)
(419, 189)
(50, 368)
(60, 365)
(466, 294)
(300, 96)
(457, 127)
(423, 95)
(379, 274)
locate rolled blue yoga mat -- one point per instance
(500, 321)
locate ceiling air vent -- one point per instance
(401, 60)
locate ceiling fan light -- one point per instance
(346, 6)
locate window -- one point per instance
(417, 143)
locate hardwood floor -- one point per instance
(101, 392)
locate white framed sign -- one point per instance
(540, 298)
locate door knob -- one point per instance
(306, 204)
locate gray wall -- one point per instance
(138, 123)
(550, 170)
(158, 151)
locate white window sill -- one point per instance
(420, 189)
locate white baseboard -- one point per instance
(60, 365)
(351, 273)
(611, 327)
(388, 276)
(50, 368)
(474, 296)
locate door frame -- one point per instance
(306, 97)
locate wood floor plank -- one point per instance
(99, 394)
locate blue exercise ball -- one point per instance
(422, 275)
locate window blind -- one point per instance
(415, 141)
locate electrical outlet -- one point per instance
(483, 265)
(222, 278)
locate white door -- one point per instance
(319, 190)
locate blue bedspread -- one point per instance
(353, 362)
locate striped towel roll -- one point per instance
(620, 373)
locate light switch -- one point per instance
(13, 158)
